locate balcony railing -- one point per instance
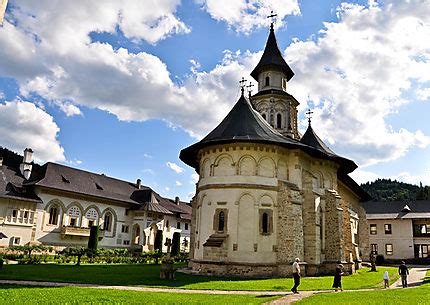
(78, 231)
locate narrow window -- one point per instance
(178, 225)
(265, 223)
(143, 238)
(186, 226)
(389, 249)
(14, 213)
(264, 116)
(374, 249)
(373, 230)
(72, 222)
(124, 229)
(267, 81)
(107, 222)
(221, 218)
(387, 228)
(53, 216)
(279, 121)
(90, 223)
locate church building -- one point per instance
(267, 194)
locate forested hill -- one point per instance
(393, 190)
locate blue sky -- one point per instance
(121, 89)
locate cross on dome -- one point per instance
(273, 19)
(242, 83)
(250, 88)
(309, 115)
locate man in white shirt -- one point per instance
(296, 275)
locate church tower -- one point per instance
(272, 101)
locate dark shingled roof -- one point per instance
(11, 185)
(272, 58)
(396, 209)
(244, 124)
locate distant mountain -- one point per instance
(393, 190)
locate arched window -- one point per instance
(53, 215)
(107, 226)
(265, 223)
(74, 216)
(267, 81)
(264, 116)
(221, 221)
(143, 238)
(92, 217)
(279, 121)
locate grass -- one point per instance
(75, 295)
(417, 295)
(148, 275)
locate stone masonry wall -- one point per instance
(311, 232)
(289, 227)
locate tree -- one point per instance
(93, 241)
(176, 243)
(158, 243)
(75, 252)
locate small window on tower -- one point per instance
(264, 116)
(279, 121)
(267, 81)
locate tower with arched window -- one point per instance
(272, 73)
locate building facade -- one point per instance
(399, 230)
(267, 194)
(56, 205)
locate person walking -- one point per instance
(386, 278)
(296, 275)
(404, 272)
(337, 282)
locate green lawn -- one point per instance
(74, 295)
(418, 295)
(148, 275)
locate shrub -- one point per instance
(380, 260)
(176, 243)
(158, 243)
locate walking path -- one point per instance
(415, 278)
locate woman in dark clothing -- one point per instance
(337, 283)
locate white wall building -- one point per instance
(399, 230)
(58, 204)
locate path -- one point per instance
(416, 277)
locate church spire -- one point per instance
(272, 58)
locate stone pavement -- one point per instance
(416, 277)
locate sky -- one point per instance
(120, 87)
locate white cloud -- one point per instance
(361, 176)
(2, 95)
(147, 156)
(148, 171)
(194, 178)
(355, 72)
(246, 15)
(167, 188)
(178, 183)
(25, 125)
(174, 167)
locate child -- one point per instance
(386, 280)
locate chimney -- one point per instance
(177, 200)
(138, 183)
(27, 163)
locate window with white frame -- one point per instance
(92, 217)
(53, 215)
(373, 230)
(74, 215)
(124, 229)
(389, 249)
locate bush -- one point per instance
(158, 243)
(176, 243)
(380, 260)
